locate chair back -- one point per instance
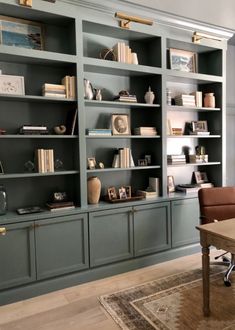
(216, 203)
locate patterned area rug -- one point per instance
(174, 303)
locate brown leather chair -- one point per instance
(218, 204)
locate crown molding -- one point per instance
(158, 16)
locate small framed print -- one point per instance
(142, 162)
(120, 124)
(199, 126)
(182, 60)
(170, 184)
(128, 191)
(91, 163)
(112, 193)
(122, 193)
(13, 85)
(200, 177)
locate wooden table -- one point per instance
(220, 234)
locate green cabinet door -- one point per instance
(185, 216)
(17, 255)
(61, 245)
(111, 236)
(151, 228)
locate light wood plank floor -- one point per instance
(77, 308)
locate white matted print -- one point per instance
(13, 85)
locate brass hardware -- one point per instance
(126, 19)
(27, 3)
(3, 231)
(197, 36)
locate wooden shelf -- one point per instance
(120, 104)
(31, 175)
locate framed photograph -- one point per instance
(120, 124)
(199, 126)
(91, 163)
(112, 193)
(200, 177)
(13, 85)
(122, 193)
(21, 33)
(128, 191)
(182, 60)
(142, 162)
(170, 184)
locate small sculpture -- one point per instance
(88, 90)
(149, 96)
(60, 129)
(98, 95)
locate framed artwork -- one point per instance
(199, 126)
(91, 163)
(142, 162)
(21, 33)
(112, 193)
(128, 191)
(122, 193)
(120, 124)
(200, 177)
(13, 85)
(170, 184)
(182, 60)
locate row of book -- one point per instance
(59, 206)
(176, 159)
(123, 158)
(70, 86)
(146, 131)
(124, 53)
(66, 90)
(44, 160)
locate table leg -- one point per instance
(205, 280)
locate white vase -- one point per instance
(149, 96)
(88, 91)
(134, 59)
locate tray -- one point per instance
(124, 200)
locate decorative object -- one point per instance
(122, 193)
(27, 3)
(101, 165)
(93, 189)
(112, 193)
(91, 163)
(126, 19)
(2, 131)
(199, 126)
(58, 165)
(60, 130)
(197, 36)
(172, 302)
(29, 166)
(108, 54)
(182, 60)
(200, 177)
(209, 100)
(149, 159)
(120, 124)
(13, 85)
(3, 200)
(142, 162)
(149, 96)
(21, 33)
(98, 95)
(200, 150)
(134, 58)
(88, 90)
(170, 184)
(199, 159)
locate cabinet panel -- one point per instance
(17, 258)
(185, 216)
(151, 228)
(61, 245)
(110, 236)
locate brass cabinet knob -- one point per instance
(3, 231)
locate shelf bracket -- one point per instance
(27, 3)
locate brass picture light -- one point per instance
(197, 36)
(27, 3)
(126, 19)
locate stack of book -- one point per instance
(36, 129)
(60, 206)
(125, 98)
(123, 53)
(99, 131)
(44, 160)
(176, 159)
(185, 100)
(53, 90)
(123, 158)
(69, 82)
(198, 98)
(148, 194)
(145, 131)
(188, 188)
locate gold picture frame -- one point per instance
(23, 33)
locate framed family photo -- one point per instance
(182, 60)
(120, 124)
(21, 33)
(199, 126)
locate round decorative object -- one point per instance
(108, 54)
(209, 100)
(149, 96)
(93, 189)
(60, 130)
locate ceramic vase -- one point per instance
(93, 190)
(88, 90)
(149, 96)
(209, 100)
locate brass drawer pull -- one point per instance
(3, 231)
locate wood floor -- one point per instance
(77, 308)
